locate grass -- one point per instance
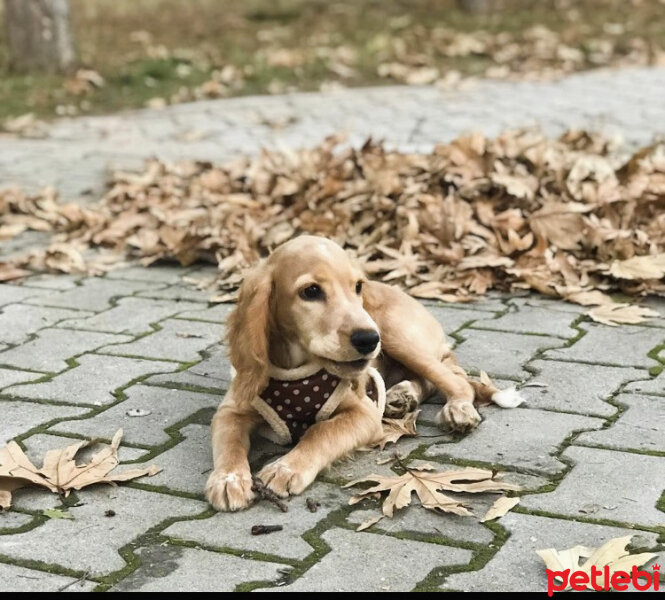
(169, 48)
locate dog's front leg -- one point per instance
(355, 424)
(229, 486)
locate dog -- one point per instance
(319, 355)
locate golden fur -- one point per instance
(273, 323)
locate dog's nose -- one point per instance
(365, 340)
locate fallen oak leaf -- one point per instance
(500, 507)
(59, 472)
(616, 314)
(428, 484)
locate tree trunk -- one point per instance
(39, 35)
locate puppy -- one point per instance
(320, 354)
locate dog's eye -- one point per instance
(312, 292)
(359, 287)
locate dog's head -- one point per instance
(303, 304)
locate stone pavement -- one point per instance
(79, 356)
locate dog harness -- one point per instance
(295, 399)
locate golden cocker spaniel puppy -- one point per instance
(320, 354)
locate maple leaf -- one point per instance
(9, 272)
(651, 266)
(394, 429)
(59, 472)
(515, 213)
(500, 507)
(428, 484)
(615, 314)
(612, 554)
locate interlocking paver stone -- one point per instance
(532, 319)
(156, 274)
(169, 568)
(652, 386)
(92, 381)
(36, 446)
(232, 530)
(518, 568)
(48, 281)
(452, 319)
(177, 292)
(50, 348)
(11, 376)
(176, 340)
(499, 353)
(131, 315)
(10, 294)
(388, 563)
(93, 540)
(518, 437)
(13, 520)
(20, 579)
(166, 408)
(18, 321)
(213, 373)
(641, 427)
(578, 388)
(625, 346)
(19, 417)
(193, 450)
(93, 294)
(215, 314)
(416, 519)
(605, 484)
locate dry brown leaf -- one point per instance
(517, 212)
(394, 429)
(59, 472)
(651, 266)
(617, 314)
(428, 484)
(592, 298)
(613, 554)
(9, 272)
(5, 499)
(500, 507)
(369, 522)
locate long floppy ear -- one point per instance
(249, 331)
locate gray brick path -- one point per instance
(79, 356)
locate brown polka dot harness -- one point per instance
(295, 399)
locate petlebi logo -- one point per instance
(603, 579)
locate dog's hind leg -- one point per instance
(412, 337)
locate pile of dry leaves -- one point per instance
(565, 217)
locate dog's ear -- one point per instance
(249, 330)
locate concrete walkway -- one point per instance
(78, 356)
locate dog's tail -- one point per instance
(487, 393)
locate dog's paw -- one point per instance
(458, 416)
(229, 490)
(401, 399)
(283, 479)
